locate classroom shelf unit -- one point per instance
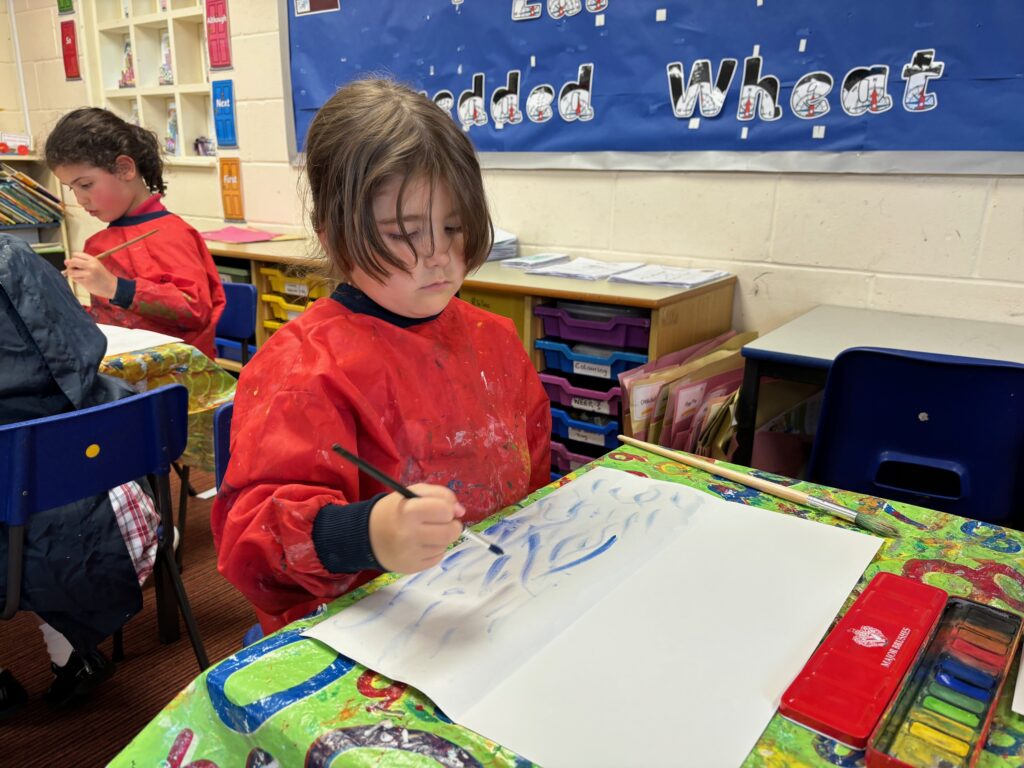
(151, 68)
(638, 323)
(49, 239)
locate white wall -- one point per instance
(943, 245)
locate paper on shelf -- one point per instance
(585, 269)
(657, 274)
(536, 260)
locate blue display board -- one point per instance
(667, 76)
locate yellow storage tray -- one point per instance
(293, 286)
(281, 309)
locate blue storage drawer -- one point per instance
(564, 425)
(607, 364)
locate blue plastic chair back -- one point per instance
(937, 431)
(222, 440)
(238, 321)
(56, 460)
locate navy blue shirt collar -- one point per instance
(356, 301)
(131, 221)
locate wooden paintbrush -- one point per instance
(126, 243)
(396, 486)
(861, 519)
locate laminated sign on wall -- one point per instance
(231, 188)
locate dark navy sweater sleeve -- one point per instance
(341, 536)
(124, 295)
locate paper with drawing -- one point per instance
(608, 582)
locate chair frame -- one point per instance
(158, 431)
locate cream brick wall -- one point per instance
(943, 245)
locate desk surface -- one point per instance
(291, 700)
(209, 386)
(491, 276)
(817, 337)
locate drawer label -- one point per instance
(588, 404)
(586, 436)
(296, 289)
(592, 369)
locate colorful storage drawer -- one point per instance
(589, 361)
(564, 425)
(620, 331)
(563, 460)
(562, 392)
(272, 325)
(298, 287)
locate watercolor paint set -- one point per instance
(942, 715)
(909, 673)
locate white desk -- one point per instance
(803, 349)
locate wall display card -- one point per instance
(224, 112)
(716, 605)
(218, 34)
(231, 188)
(69, 50)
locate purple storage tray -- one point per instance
(564, 460)
(617, 332)
(562, 392)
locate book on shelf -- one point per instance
(24, 201)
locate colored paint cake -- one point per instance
(942, 715)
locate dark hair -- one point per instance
(98, 137)
(368, 132)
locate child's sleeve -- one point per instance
(172, 286)
(286, 474)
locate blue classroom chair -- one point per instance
(221, 456)
(238, 322)
(937, 431)
(59, 459)
(222, 440)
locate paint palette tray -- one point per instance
(942, 715)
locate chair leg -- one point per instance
(183, 495)
(186, 613)
(118, 652)
(166, 616)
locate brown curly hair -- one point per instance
(98, 137)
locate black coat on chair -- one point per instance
(78, 575)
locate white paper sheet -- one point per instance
(585, 269)
(657, 274)
(121, 340)
(633, 622)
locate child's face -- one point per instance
(105, 195)
(434, 278)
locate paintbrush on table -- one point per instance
(396, 486)
(861, 519)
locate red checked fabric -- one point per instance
(453, 401)
(137, 518)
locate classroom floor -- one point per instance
(148, 678)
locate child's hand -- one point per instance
(89, 272)
(410, 535)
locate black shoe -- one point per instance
(12, 696)
(74, 681)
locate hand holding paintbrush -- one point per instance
(86, 269)
(413, 537)
(861, 519)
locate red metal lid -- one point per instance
(848, 682)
